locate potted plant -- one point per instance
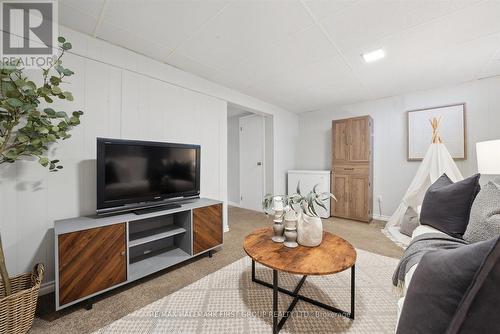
(309, 224)
(26, 131)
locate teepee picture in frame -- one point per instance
(452, 130)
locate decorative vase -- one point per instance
(309, 230)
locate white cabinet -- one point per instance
(308, 179)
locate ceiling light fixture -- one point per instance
(372, 56)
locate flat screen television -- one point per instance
(134, 174)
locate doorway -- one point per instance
(250, 158)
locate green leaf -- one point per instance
(22, 138)
(14, 102)
(311, 208)
(20, 82)
(43, 161)
(74, 120)
(68, 96)
(67, 72)
(55, 80)
(8, 87)
(61, 39)
(67, 46)
(59, 69)
(56, 90)
(49, 111)
(320, 204)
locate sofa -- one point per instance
(421, 229)
(448, 277)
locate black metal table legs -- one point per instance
(296, 297)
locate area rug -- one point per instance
(227, 301)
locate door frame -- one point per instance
(264, 164)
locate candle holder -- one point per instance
(278, 229)
(291, 231)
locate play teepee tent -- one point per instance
(437, 161)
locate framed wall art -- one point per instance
(452, 130)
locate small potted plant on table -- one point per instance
(304, 207)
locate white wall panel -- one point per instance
(119, 104)
(123, 95)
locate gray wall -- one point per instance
(392, 172)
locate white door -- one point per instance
(252, 162)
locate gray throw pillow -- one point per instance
(478, 310)
(442, 281)
(484, 221)
(447, 205)
(410, 222)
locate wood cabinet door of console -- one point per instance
(90, 261)
(207, 227)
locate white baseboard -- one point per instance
(46, 288)
(233, 204)
(381, 217)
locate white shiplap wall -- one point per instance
(121, 100)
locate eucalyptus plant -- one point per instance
(300, 203)
(26, 128)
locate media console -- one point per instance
(98, 253)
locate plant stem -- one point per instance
(4, 273)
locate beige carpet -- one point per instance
(227, 301)
(124, 300)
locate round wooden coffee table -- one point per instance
(332, 256)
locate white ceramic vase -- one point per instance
(309, 230)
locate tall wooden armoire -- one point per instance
(352, 168)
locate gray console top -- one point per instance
(83, 223)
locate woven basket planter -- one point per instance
(17, 311)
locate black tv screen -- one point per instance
(136, 173)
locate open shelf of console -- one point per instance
(157, 261)
(113, 250)
(140, 238)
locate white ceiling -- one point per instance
(305, 55)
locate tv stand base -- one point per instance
(156, 208)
